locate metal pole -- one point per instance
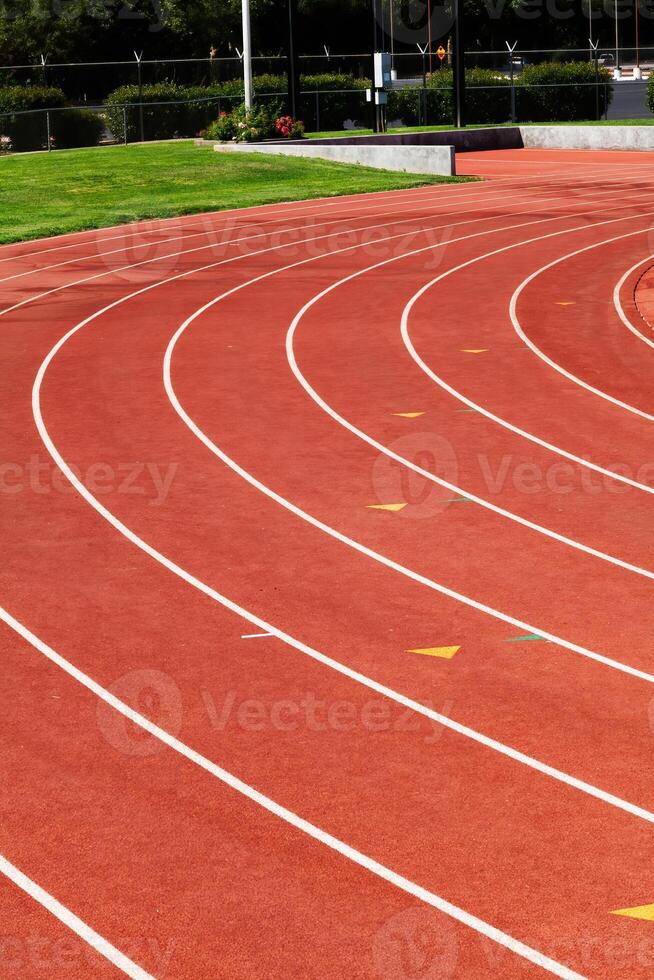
(139, 58)
(511, 50)
(47, 130)
(293, 66)
(597, 82)
(459, 79)
(617, 36)
(247, 54)
(636, 12)
(376, 46)
(125, 124)
(431, 70)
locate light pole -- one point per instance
(459, 76)
(293, 64)
(247, 54)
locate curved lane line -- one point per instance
(517, 326)
(65, 916)
(348, 212)
(617, 302)
(288, 816)
(557, 450)
(211, 593)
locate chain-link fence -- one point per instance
(521, 91)
(342, 110)
(92, 81)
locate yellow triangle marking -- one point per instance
(408, 415)
(393, 507)
(480, 350)
(638, 912)
(445, 652)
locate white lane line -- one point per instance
(315, 206)
(557, 450)
(254, 636)
(285, 637)
(617, 302)
(291, 507)
(282, 229)
(425, 202)
(68, 918)
(432, 192)
(160, 258)
(517, 326)
(288, 816)
(326, 205)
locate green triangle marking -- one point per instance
(526, 636)
(458, 500)
(465, 410)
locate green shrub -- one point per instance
(178, 110)
(336, 102)
(20, 122)
(341, 97)
(561, 92)
(263, 122)
(76, 127)
(650, 93)
(434, 104)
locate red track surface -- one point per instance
(164, 499)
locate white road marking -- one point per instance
(68, 918)
(557, 450)
(617, 302)
(517, 326)
(288, 816)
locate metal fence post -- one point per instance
(139, 58)
(47, 130)
(125, 124)
(317, 111)
(511, 75)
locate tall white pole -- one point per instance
(247, 54)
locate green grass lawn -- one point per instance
(69, 190)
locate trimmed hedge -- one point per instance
(26, 127)
(27, 132)
(73, 128)
(200, 105)
(434, 104)
(548, 92)
(573, 97)
(169, 121)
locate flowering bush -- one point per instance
(259, 123)
(289, 128)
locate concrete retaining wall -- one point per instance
(589, 137)
(488, 138)
(409, 159)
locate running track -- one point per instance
(219, 756)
